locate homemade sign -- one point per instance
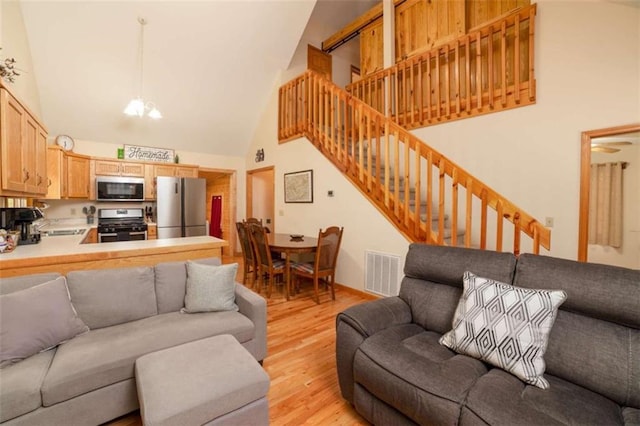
(146, 153)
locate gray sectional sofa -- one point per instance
(130, 312)
(393, 369)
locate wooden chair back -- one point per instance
(328, 248)
(260, 244)
(251, 220)
(245, 242)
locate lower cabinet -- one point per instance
(91, 237)
(152, 232)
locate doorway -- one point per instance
(588, 139)
(221, 182)
(261, 195)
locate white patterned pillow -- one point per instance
(505, 326)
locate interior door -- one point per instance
(261, 196)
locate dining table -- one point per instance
(290, 244)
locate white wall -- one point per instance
(15, 45)
(588, 77)
(364, 227)
(629, 254)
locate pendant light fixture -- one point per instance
(137, 106)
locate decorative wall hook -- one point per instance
(260, 155)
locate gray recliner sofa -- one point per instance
(131, 312)
(392, 368)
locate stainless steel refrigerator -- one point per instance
(181, 207)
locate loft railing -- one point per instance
(417, 188)
(487, 70)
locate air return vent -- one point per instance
(382, 273)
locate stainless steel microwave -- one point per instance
(115, 188)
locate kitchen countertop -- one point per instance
(61, 245)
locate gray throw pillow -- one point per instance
(210, 288)
(36, 319)
(505, 326)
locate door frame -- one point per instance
(206, 172)
(249, 200)
(585, 180)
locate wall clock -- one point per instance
(65, 141)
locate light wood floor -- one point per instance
(300, 360)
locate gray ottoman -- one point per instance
(210, 381)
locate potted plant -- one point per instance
(7, 69)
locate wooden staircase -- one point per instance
(433, 195)
(363, 131)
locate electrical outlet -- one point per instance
(281, 212)
(73, 212)
(548, 222)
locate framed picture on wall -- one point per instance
(298, 187)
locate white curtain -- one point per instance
(605, 204)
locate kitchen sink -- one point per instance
(59, 232)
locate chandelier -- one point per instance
(137, 106)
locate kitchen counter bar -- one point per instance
(66, 253)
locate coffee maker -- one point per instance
(21, 219)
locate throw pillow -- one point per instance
(36, 319)
(210, 288)
(505, 326)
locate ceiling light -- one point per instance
(137, 106)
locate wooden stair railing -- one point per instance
(417, 188)
(487, 70)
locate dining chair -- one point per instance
(250, 220)
(268, 268)
(324, 265)
(248, 255)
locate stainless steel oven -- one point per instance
(121, 225)
(112, 237)
(115, 188)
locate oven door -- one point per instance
(113, 237)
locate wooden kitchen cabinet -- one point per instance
(164, 170)
(152, 231)
(176, 170)
(57, 173)
(68, 174)
(118, 168)
(91, 237)
(187, 171)
(77, 176)
(23, 152)
(152, 171)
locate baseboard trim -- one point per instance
(364, 294)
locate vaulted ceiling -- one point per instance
(209, 65)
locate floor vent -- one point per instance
(382, 273)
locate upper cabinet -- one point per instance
(78, 176)
(174, 170)
(118, 168)
(69, 174)
(23, 149)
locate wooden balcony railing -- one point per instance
(417, 188)
(487, 70)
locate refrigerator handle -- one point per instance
(176, 187)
